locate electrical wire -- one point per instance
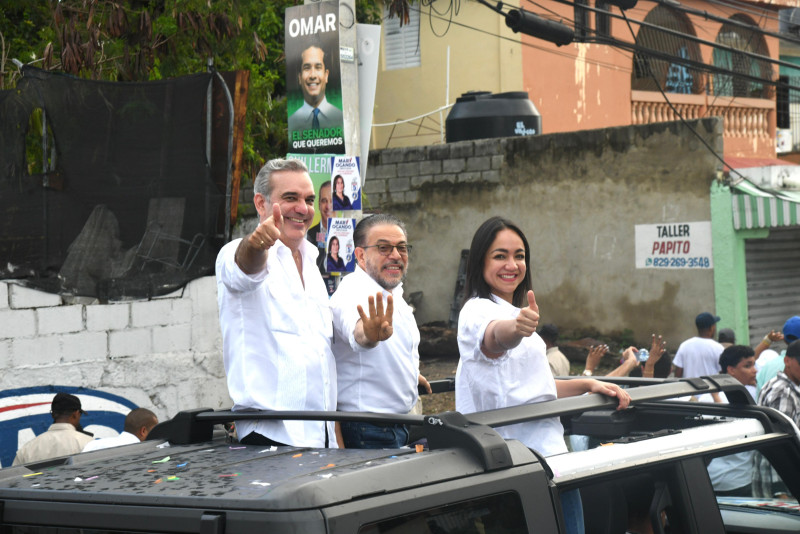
(611, 66)
(681, 117)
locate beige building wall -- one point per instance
(575, 87)
(479, 61)
(578, 196)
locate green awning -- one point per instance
(754, 207)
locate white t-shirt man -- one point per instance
(698, 356)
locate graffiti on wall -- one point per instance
(25, 413)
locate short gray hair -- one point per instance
(263, 181)
(364, 225)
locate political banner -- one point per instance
(313, 79)
(346, 183)
(341, 256)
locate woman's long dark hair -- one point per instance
(336, 180)
(330, 248)
(484, 236)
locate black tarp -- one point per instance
(129, 207)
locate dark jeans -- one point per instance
(572, 507)
(368, 436)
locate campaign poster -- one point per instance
(340, 257)
(677, 245)
(313, 79)
(319, 169)
(346, 181)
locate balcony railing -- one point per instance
(742, 117)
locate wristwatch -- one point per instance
(586, 372)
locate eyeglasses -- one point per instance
(384, 249)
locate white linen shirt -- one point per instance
(125, 438)
(382, 379)
(520, 376)
(276, 336)
(698, 356)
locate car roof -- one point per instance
(187, 463)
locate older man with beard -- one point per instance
(377, 358)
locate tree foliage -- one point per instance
(137, 40)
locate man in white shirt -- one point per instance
(138, 424)
(377, 357)
(316, 112)
(65, 436)
(732, 474)
(699, 355)
(274, 315)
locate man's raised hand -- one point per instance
(377, 326)
(528, 318)
(268, 232)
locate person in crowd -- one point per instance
(138, 424)
(732, 474)
(377, 356)
(559, 364)
(657, 365)
(770, 362)
(726, 337)
(312, 76)
(782, 392)
(764, 351)
(64, 437)
(275, 316)
(699, 355)
(335, 262)
(502, 358)
(340, 200)
(317, 234)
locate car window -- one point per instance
(756, 489)
(749, 476)
(496, 514)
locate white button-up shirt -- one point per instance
(125, 438)
(276, 336)
(382, 379)
(520, 376)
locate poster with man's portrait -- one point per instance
(313, 79)
(345, 183)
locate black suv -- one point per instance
(658, 466)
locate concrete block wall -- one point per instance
(163, 354)
(399, 176)
(578, 197)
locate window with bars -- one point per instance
(743, 68)
(652, 71)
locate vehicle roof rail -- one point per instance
(647, 390)
(445, 430)
(451, 429)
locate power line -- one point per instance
(683, 119)
(689, 37)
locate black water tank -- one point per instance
(481, 114)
